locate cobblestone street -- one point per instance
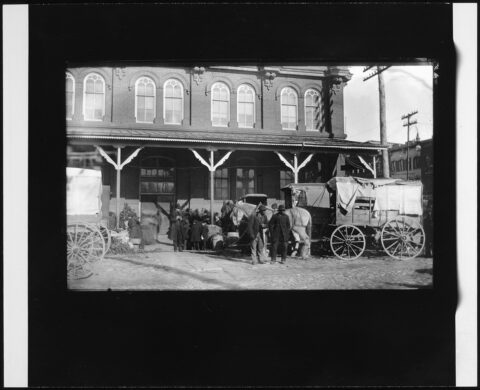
(159, 268)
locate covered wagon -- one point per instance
(351, 212)
(88, 238)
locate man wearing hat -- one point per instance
(256, 223)
(177, 234)
(279, 227)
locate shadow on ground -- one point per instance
(181, 273)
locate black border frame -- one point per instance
(319, 338)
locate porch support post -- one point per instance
(118, 167)
(295, 167)
(212, 173)
(212, 167)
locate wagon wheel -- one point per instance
(98, 243)
(347, 242)
(107, 237)
(80, 250)
(401, 239)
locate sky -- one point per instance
(407, 88)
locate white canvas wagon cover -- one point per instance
(84, 191)
(389, 194)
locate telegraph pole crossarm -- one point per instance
(380, 69)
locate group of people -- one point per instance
(279, 229)
(189, 229)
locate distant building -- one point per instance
(418, 165)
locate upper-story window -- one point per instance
(289, 103)
(145, 100)
(220, 105)
(312, 110)
(173, 102)
(70, 95)
(245, 106)
(93, 97)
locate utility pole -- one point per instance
(408, 124)
(383, 122)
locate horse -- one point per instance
(300, 222)
(301, 228)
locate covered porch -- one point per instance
(202, 171)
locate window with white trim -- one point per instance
(145, 100)
(93, 97)
(289, 109)
(220, 105)
(70, 95)
(173, 102)
(245, 106)
(312, 110)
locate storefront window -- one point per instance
(245, 182)
(156, 177)
(286, 177)
(221, 184)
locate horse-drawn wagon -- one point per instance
(88, 238)
(352, 213)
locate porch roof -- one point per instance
(227, 140)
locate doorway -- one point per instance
(157, 188)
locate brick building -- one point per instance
(164, 132)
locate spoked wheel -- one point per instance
(347, 242)
(79, 251)
(98, 243)
(85, 245)
(107, 237)
(402, 238)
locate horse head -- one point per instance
(241, 211)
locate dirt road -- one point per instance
(162, 269)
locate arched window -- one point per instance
(312, 110)
(220, 105)
(245, 106)
(289, 109)
(173, 102)
(93, 97)
(70, 95)
(145, 100)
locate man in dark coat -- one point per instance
(196, 234)
(177, 234)
(279, 227)
(256, 223)
(186, 231)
